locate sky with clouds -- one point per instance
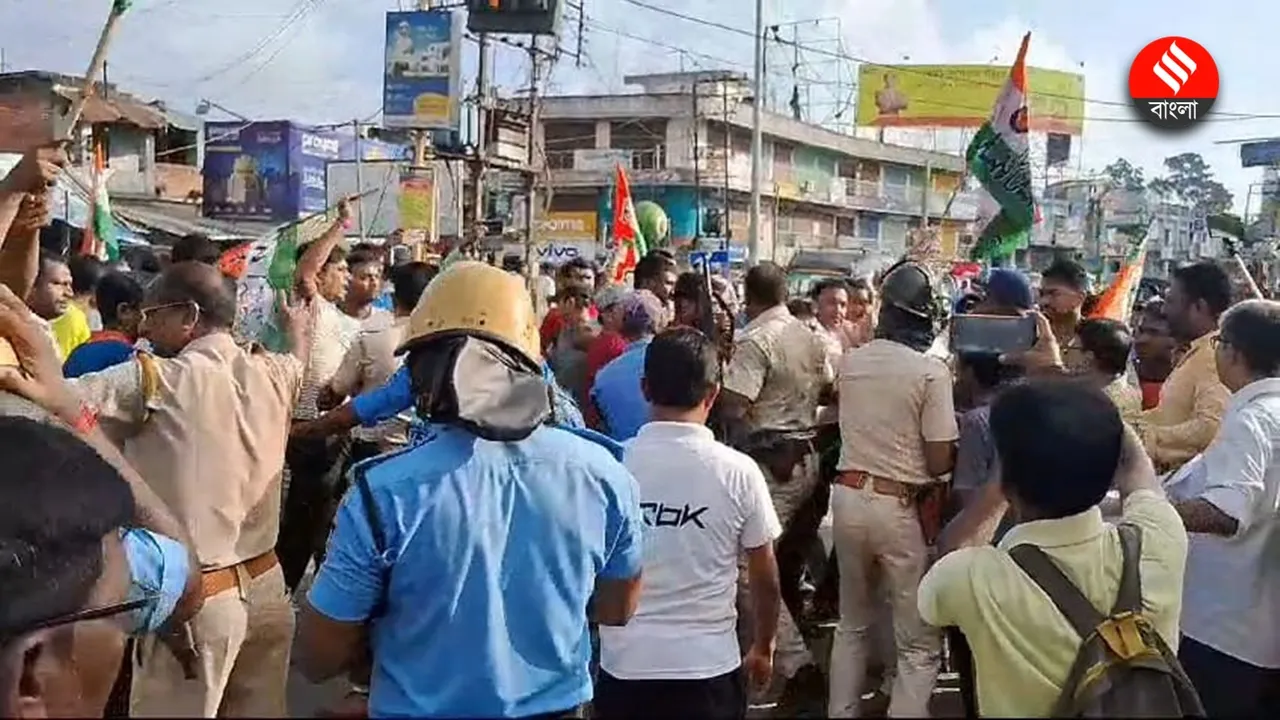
(321, 60)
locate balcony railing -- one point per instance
(596, 165)
(604, 160)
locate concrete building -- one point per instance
(685, 140)
(1175, 233)
(152, 151)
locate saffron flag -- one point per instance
(999, 159)
(1116, 302)
(628, 241)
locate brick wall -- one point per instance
(25, 121)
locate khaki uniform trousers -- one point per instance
(791, 653)
(243, 635)
(882, 553)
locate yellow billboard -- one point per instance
(963, 96)
(567, 226)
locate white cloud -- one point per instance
(326, 67)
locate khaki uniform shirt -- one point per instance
(209, 440)
(780, 365)
(1192, 403)
(1073, 357)
(369, 363)
(892, 401)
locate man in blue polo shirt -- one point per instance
(469, 559)
(618, 398)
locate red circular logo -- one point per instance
(1173, 82)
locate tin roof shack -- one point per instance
(151, 151)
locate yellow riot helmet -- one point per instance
(475, 298)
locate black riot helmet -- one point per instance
(909, 287)
(911, 312)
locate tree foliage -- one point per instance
(1125, 175)
(1190, 179)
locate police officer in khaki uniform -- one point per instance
(772, 386)
(206, 424)
(898, 431)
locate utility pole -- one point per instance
(757, 140)
(697, 171)
(531, 174)
(726, 226)
(422, 151)
(479, 163)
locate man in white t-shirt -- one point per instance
(322, 277)
(704, 505)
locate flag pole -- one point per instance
(96, 65)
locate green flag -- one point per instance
(118, 7)
(998, 158)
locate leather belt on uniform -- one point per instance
(856, 479)
(223, 579)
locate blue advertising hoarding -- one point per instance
(421, 71)
(246, 172)
(275, 171)
(309, 152)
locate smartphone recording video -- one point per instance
(992, 334)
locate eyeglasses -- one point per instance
(145, 312)
(88, 614)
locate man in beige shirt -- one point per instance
(371, 361)
(898, 432)
(772, 386)
(1193, 399)
(205, 424)
(1064, 285)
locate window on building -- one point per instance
(869, 227)
(646, 138)
(562, 137)
(846, 226)
(896, 175)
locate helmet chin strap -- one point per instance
(481, 385)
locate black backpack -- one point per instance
(1123, 668)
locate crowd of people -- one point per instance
(649, 499)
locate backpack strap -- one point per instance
(1072, 603)
(1129, 598)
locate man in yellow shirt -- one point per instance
(73, 328)
(1061, 448)
(1193, 399)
